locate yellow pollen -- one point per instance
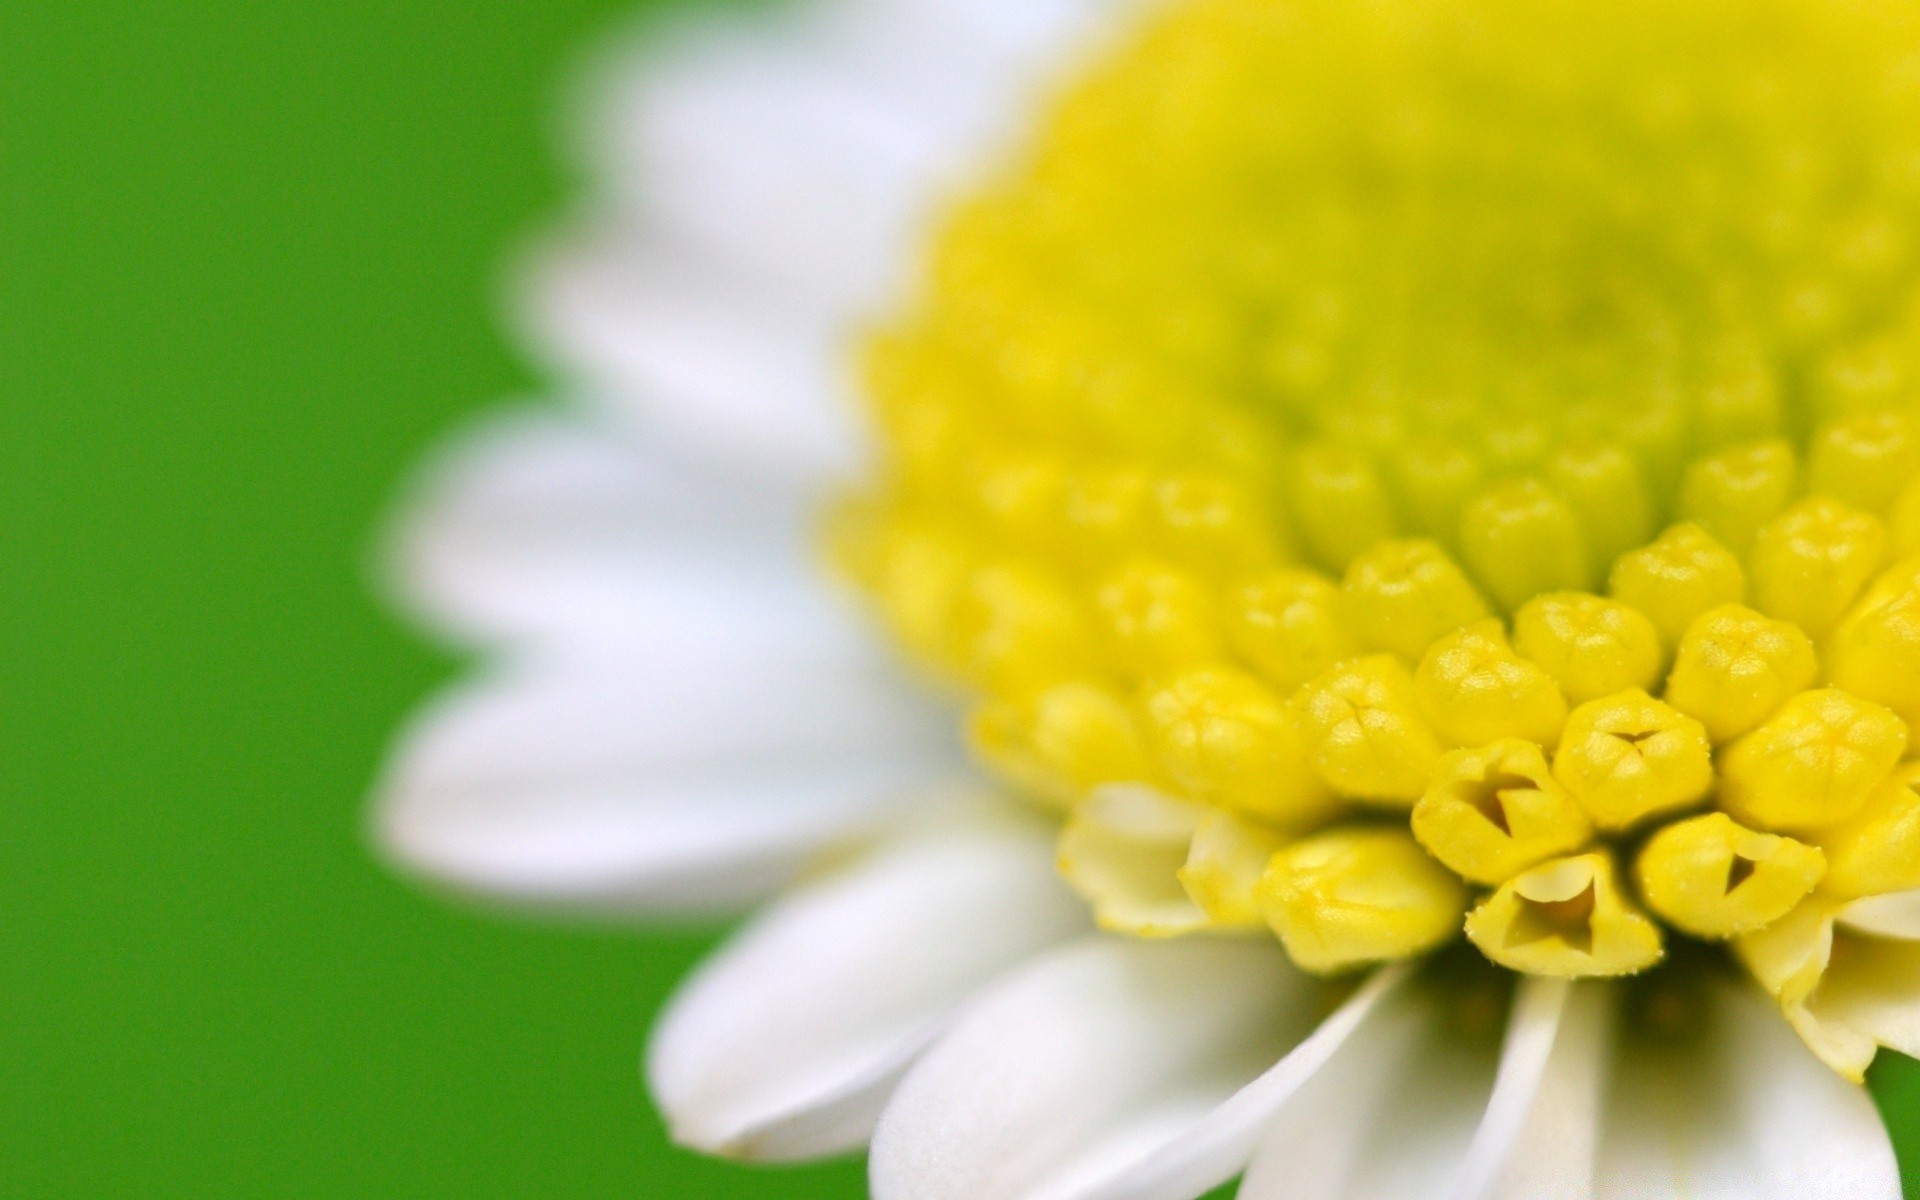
(1351, 455)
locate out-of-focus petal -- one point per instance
(1739, 1109)
(624, 783)
(535, 528)
(1540, 1133)
(1217, 1146)
(787, 1043)
(1426, 1115)
(1085, 1062)
(681, 347)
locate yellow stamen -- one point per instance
(1353, 896)
(1566, 918)
(1492, 812)
(1628, 757)
(1714, 879)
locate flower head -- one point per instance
(1418, 505)
(1469, 444)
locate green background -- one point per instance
(248, 255)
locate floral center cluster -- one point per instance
(1389, 472)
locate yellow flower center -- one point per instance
(1398, 469)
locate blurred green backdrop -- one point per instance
(250, 254)
(247, 255)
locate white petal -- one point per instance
(1739, 1109)
(1394, 1123)
(678, 343)
(1874, 993)
(635, 785)
(813, 147)
(537, 528)
(1893, 915)
(786, 1044)
(1538, 1138)
(1083, 1063)
(1217, 1147)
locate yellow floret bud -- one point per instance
(1020, 496)
(1105, 513)
(1602, 484)
(1019, 628)
(1865, 461)
(1878, 850)
(1875, 653)
(1812, 764)
(1211, 523)
(1680, 575)
(1627, 757)
(1472, 688)
(1714, 878)
(1402, 595)
(1566, 918)
(1810, 562)
(1059, 742)
(1436, 477)
(1339, 504)
(1735, 667)
(1494, 811)
(1591, 646)
(1348, 897)
(1122, 850)
(1903, 523)
(1363, 730)
(1288, 625)
(1733, 493)
(1520, 540)
(1224, 864)
(1224, 737)
(919, 577)
(1158, 618)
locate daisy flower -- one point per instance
(1396, 526)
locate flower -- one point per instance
(1419, 503)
